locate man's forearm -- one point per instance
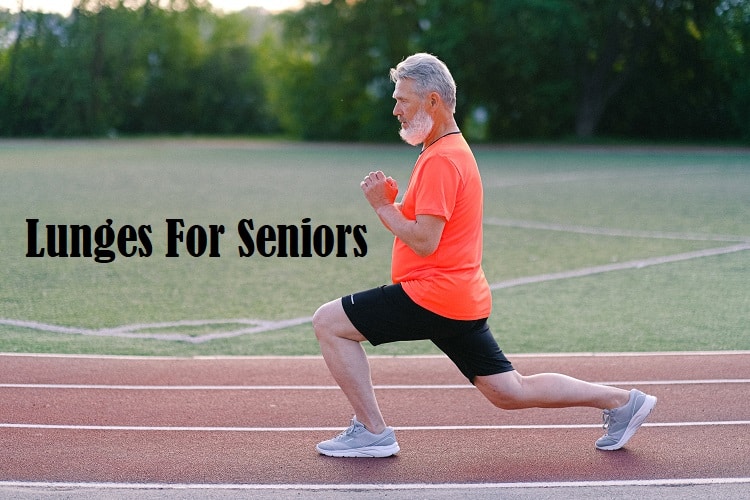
(421, 235)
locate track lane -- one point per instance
(462, 456)
(433, 456)
(329, 408)
(385, 370)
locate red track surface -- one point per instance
(265, 435)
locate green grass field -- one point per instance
(548, 210)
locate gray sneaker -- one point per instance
(621, 423)
(356, 441)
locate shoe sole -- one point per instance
(367, 452)
(635, 422)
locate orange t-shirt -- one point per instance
(445, 182)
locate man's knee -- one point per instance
(502, 390)
(331, 322)
(321, 321)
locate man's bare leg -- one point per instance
(512, 391)
(340, 343)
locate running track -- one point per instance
(255, 421)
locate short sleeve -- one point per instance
(437, 190)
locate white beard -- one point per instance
(419, 128)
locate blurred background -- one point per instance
(573, 70)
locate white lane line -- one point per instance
(377, 486)
(602, 354)
(176, 428)
(329, 387)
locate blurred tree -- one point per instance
(511, 59)
(171, 52)
(230, 97)
(330, 67)
(111, 68)
(656, 69)
(672, 89)
(727, 40)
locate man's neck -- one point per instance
(438, 132)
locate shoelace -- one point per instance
(349, 431)
(605, 419)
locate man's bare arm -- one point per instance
(421, 235)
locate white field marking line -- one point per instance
(385, 387)
(178, 428)
(135, 330)
(620, 266)
(130, 331)
(259, 326)
(702, 481)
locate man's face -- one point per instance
(416, 123)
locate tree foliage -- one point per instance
(331, 64)
(114, 69)
(648, 69)
(658, 69)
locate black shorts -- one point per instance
(387, 314)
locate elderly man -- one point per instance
(439, 290)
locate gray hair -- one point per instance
(430, 75)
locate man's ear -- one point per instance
(433, 99)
